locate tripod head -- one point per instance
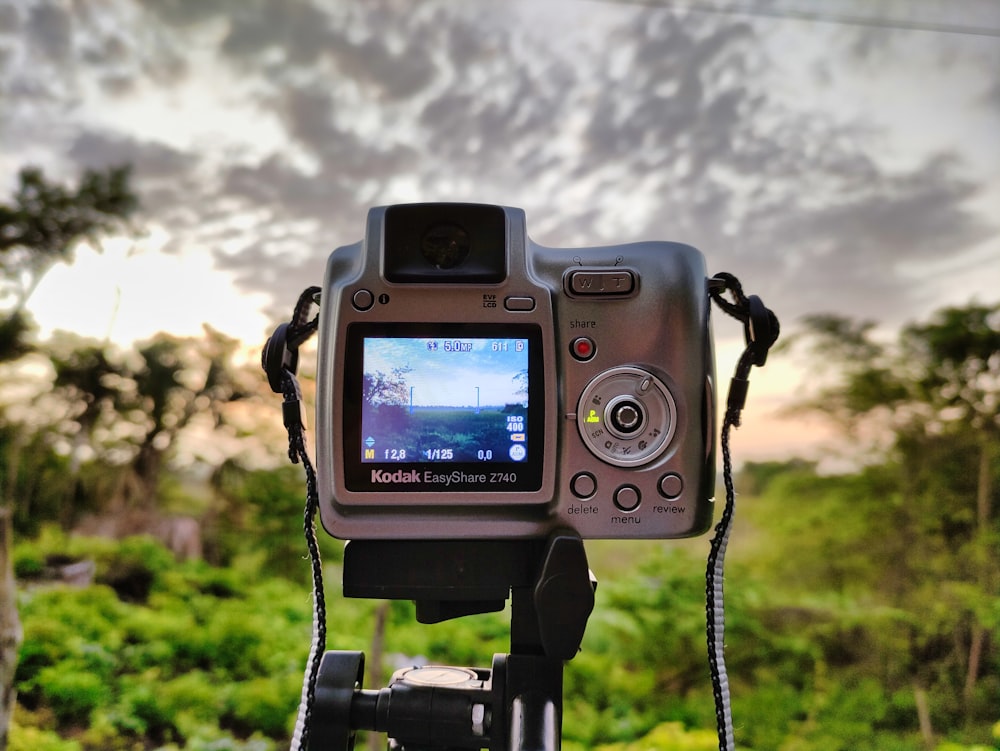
(517, 704)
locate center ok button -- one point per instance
(627, 498)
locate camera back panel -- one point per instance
(473, 384)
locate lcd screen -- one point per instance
(444, 399)
(428, 404)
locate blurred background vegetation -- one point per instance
(156, 593)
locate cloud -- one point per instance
(300, 30)
(606, 123)
(673, 135)
(96, 149)
(49, 29)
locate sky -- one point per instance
(440, 374)
(838, 157)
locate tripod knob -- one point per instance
(340, 676)
(564, 596)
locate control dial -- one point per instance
(626, 416)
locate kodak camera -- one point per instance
(473, 384)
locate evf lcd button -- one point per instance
(519, 304)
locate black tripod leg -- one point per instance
(534, 703)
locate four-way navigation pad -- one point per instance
(626, 416)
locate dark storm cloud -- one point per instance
(992, 96)
(354, 42)
(149, 159)
(312, 118)
(186, 13)
(64, 45)
(10, 19)
(396, 74)
(106, 50)
(504, 117)
(49, 29)
(300, 29)
(919, 212)
(346, 160)
(861, 247)
(291, 193)
(673, 91)
(170, 190)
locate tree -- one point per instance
(39, 228)
(129, 410)
(43, 225)
(958, 353)
(392, 389)
(933, 398)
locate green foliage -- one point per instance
(129, 409)
(71, 693)
(667, 736)
(205, 655)
(37, 476)
(260, 515)
(212, 659)
(33, 738)
(862, 608)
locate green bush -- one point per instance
(31, 738)
(262, 705)
(667, 736)
(72, 693)
(211, 659)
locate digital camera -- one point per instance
(473, 384)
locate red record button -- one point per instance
(583, 348)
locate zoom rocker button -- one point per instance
(601, 283)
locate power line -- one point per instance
(845, 19)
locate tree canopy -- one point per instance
(41, 226)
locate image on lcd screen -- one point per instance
(451, 399)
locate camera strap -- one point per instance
(761, 328)
(280, 362)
